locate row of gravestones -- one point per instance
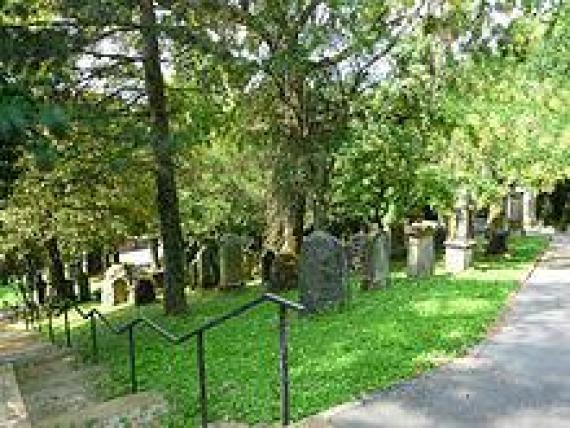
(325, 263)
(126, 284)
(226, 264)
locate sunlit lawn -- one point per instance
(382, 338)
(8, 294)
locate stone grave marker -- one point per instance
(359, 248)
(283, 272)
(207, 266)
(421, 252)
(144, 292)
(322, 272)
(377, 261)
(115, 288)
(231, 261)
(460, 247)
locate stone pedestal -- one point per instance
(515, 211)
(529, 211)
(458, 255)
(421, 251)
(378, 263)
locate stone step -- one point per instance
(55, 384)
(142, 410)
(13, 412)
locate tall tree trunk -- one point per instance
(57, 271)
(167, 197)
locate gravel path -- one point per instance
(518, 378)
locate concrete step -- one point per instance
(13, 412)
(142, 410)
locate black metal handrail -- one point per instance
(93, 314)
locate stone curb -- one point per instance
(13, 413)
(322, 420)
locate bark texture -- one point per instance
(167, 197)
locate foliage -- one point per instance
(381, 339)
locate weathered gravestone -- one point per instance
(116, 288)
(267, 260)
(377, 260)
(82, 281)
(283, 272)
(144, 292)
(251, 261)
(459, 248)
(421, 252)
(359, 249)
(41, 288)
(231, 261)
(515, 211)
(529, 210)
(322, 272)
(207, 266)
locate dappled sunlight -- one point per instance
(381, 337)
(457, 306)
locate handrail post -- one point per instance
(67, 329)
(284, 366)
(94, 335)
(202, 379)
(132, 359)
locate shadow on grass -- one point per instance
(383, 337)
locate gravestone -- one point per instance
(82, 281)
(378, 261)
(207, 266)
(267, 260)
(144, 292)
(529, 210)
(322, 272)
(158, 279)
(41, 288)
(515, 214)
(231, 261)
(283, 274)
(460, 247)
(193, 274)
(421, 252)
(398, 240)
(115, 288)
(358, 255)
(250, 264)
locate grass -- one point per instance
(9, 294)
(382, 338)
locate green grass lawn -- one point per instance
(9, 294)
(383, 337)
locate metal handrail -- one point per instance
(93, 314)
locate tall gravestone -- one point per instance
(231, 261)
(322, 272)
(515, 210)
(267, 259)
(41, 287)
(359, 249)
(207, 266)
(421, 251)
(284, 272)
(529, 210)
(378, 260)
(460, 247)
